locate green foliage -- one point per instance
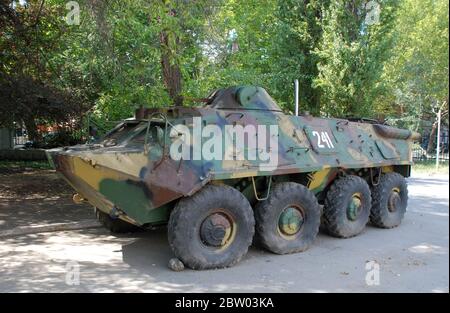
(236, 46)
(111, 62)
(352, 54)
(297, 34)
(417, 72)
(15, 166)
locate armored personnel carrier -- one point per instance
(238, 170)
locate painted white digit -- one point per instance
(323, 137)
(329, 140)
(319, 144)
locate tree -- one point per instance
(28, 92)
(418, 68)
(349, 59)
(352, 53)
(181, 24)
(298, 32)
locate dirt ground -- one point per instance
(411, 258)
(31, 197)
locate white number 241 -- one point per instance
(323, 139)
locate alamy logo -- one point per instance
(373, 10)
(373, 273)
(72, 273)
(232, 142)
(73, 16)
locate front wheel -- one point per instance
(211, 229)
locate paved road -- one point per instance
(412, 258)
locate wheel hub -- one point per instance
(291, 220)
(215, 230)
(355, 206)
(394, 200)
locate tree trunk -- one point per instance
(170, 69)
(30, 125)
(432, 138)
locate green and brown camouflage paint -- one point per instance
(120, 176)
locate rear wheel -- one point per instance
(211, 229)
(115, 225)
(288, 221)
(347, 206)
(389, 201)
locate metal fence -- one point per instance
(420, 150)
(20, 137)
(91, 130)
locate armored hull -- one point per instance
(240, 139)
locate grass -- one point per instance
(17, 165)
(429, 167)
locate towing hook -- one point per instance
(78, 199)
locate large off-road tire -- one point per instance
(389, 201)
(347, 206)
(288, 221)
(115, 225)
(211, 229)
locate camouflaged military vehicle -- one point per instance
(218, 197)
